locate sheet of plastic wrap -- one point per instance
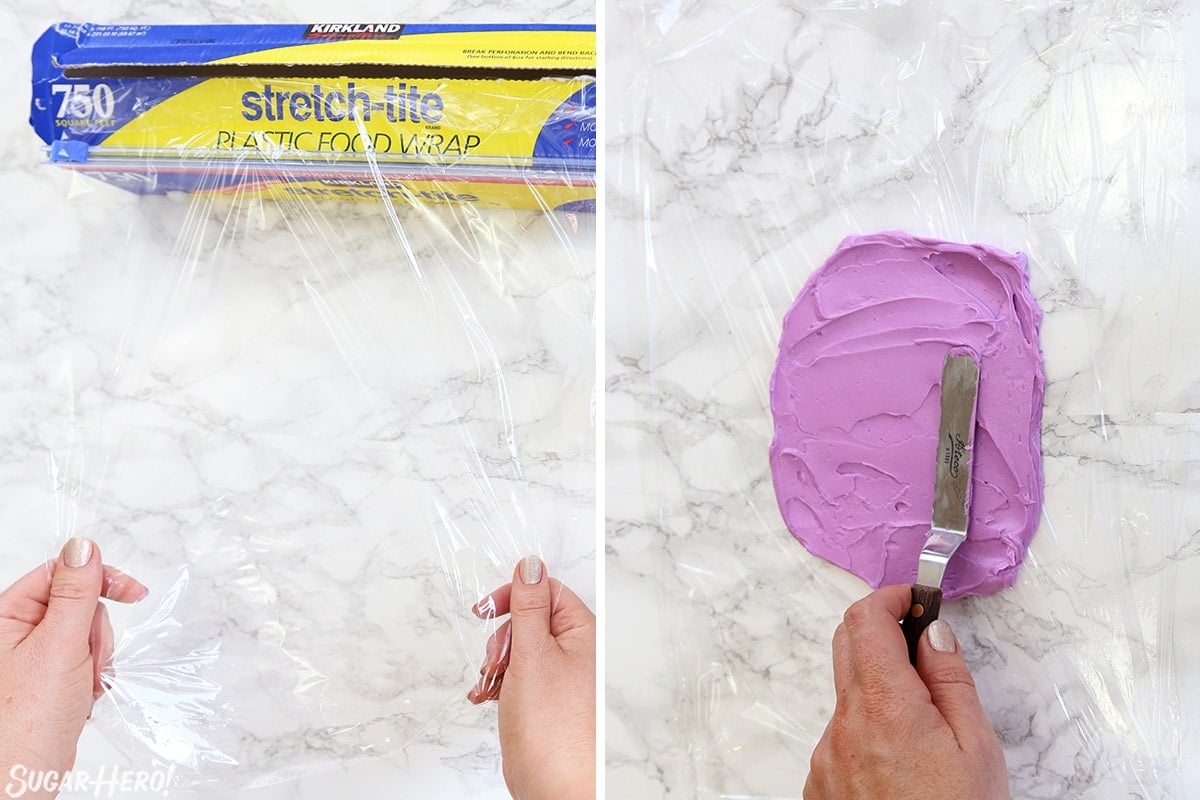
(746, 142)
(318, 431)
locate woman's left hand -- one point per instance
(55, 644)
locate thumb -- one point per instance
(74, 593)
(941, 666)
(529, 606)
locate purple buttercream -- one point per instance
(856, 395)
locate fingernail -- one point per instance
(77, 552)
(531, 570)
(487, 681)
(941, 637)
(117, 583)
(485, 608)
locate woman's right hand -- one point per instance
(900, 732)
(541, 668)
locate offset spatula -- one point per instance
(951, 494)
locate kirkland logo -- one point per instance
(355, 30)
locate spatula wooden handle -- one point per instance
(926, 603)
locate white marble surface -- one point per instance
(315, 463)
(745, 140)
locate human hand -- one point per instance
(55, 644)
(897, 732)
(541, 667)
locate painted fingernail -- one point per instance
(77, 552)
(485, 608)
(486, 681)
(119, 586)
(941, 637)
(531, 570)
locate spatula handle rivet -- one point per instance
(918, 609)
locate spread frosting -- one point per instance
(856, 400)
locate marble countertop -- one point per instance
(315, 459)
(744, 142)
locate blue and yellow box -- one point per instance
(492, 115)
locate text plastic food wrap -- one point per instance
(319, 432)
(747, 143)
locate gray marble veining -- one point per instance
(744, 141)
(316, 460)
